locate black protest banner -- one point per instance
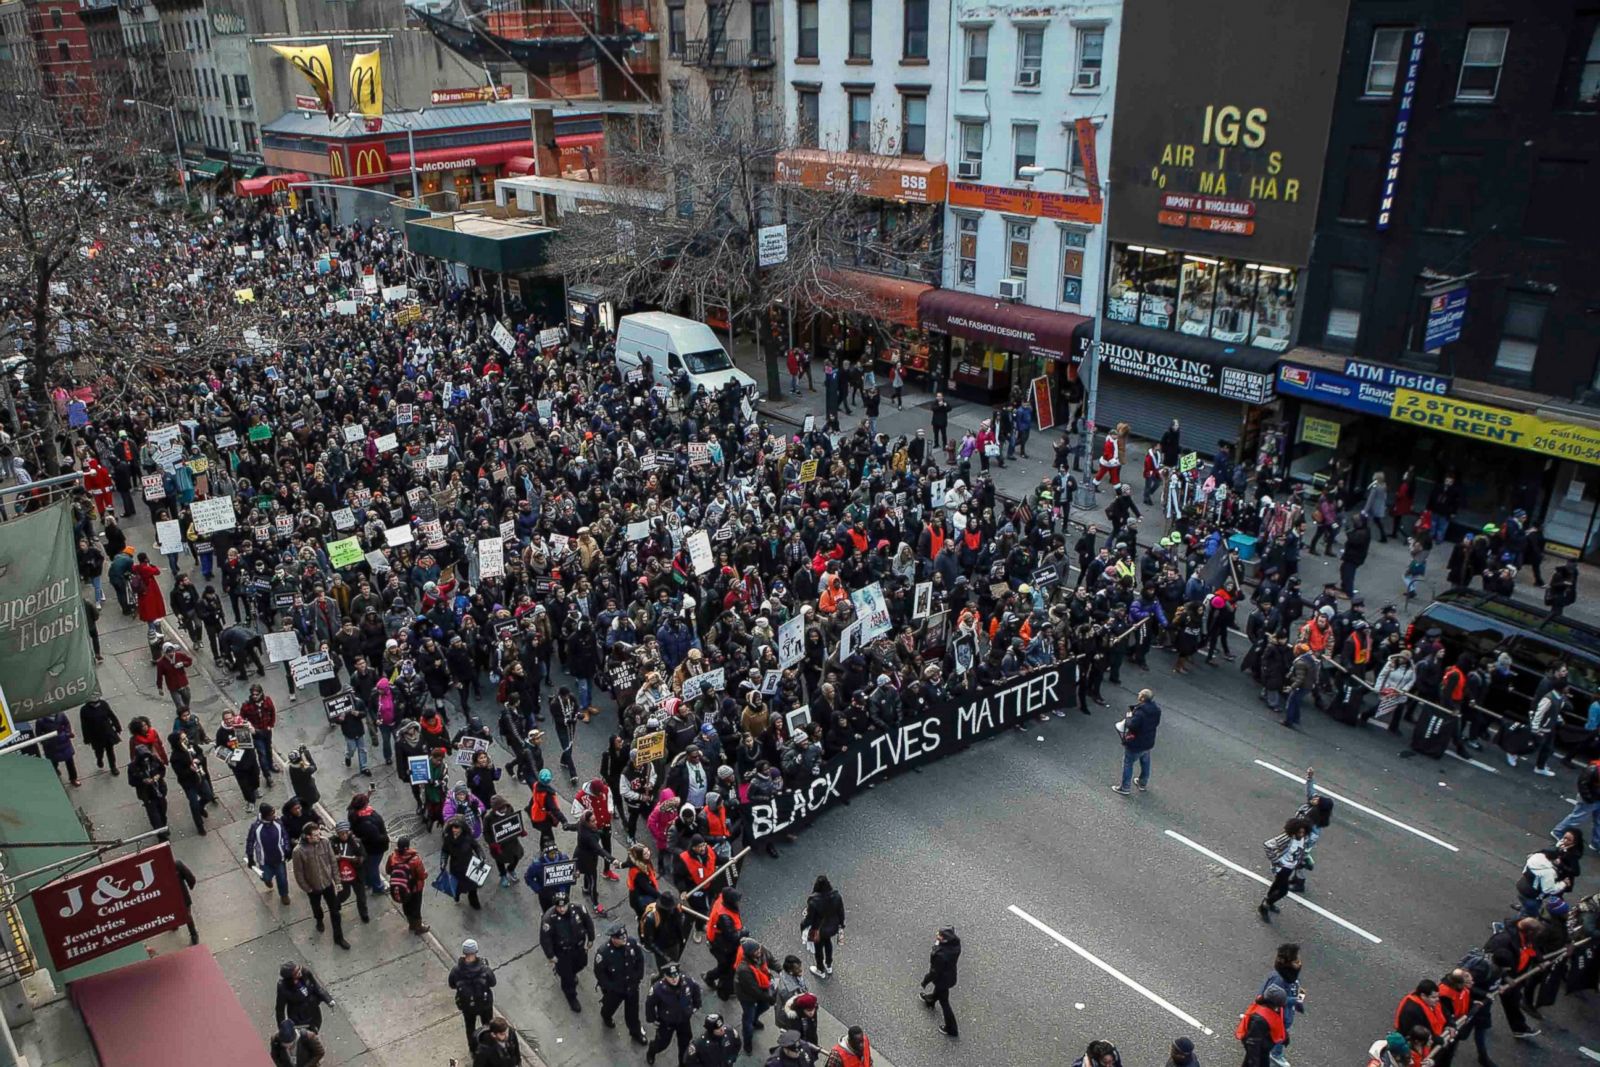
(948, 727)
(504, 827)
(560, 874)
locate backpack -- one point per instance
(136, 583)
(400, 882)
(1275, 847)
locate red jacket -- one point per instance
(260, 716)
(151, 739)
(170, 671)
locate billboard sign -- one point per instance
(1220, 156)
(115, 905)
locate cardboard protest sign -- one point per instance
(491, 557)
(281, 646)
(310, 669)
(154, 489)
(792, 641)
(169, 537)
(377, 561)
(638, 531)
(260, 432)
(346, 552)
(398, 535)
(227, 439)
(648, 748)
(386, 442)
(343, 519)
(922, 602)
(699, 544)
(212, 516)
(503, 337)
(354, 432)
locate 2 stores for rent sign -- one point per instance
(1515, 429)
(112, 906)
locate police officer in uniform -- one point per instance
(565, 934)
(718, 1046)
(618, 970)
(671, 1004)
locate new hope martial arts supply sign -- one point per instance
(111, 906)
(948, 727)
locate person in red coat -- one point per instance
(152, 605)
(98, 481)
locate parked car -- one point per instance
(1485, 625)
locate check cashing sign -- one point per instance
(949, 726)
(1514, 429)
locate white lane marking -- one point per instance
(1302, 901)
(1360, 807)
(1153, 998)
(1476, 763)
(1589, 1052)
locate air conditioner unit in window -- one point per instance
(1087, 79)
(969, 169)
(1013, 288)
(1028, 79)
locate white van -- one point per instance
(674, 343)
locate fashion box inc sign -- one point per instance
(948, 727)
(111, 906)
(1186, 372)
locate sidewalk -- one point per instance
(1379, 581)
(392, 1007)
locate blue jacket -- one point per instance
(1139, 610)
(675, 642)
(266, 844)
(1140, 734)
(1290, 990)
(1022, 419)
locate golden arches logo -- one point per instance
(315, 68)
(364, 86)
(370, 160)
(336, 161)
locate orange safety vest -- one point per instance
(858, 539)
(1454, 683)
(539, 807)
(850, 1059)
(1274, 1017)
(699, 870)
(1362, 651)
(1436, 1019)
(718, 910)
(633, 876)
(1460, 1000)
(935, 541)
(973, 539)
(763, 976)
(716, 822)
(1315, 636)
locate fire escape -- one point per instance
(723, 58)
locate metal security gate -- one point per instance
(1149, 409)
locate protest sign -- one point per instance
(922, 603)
(260, 432)
(311, 669)
(396, 536)
(792, 641)
(169, 537)
(638, 531)
(343, 519)
(944, 729)
(491, 557)
(560, 874)
(377, 560)
(808, 471)
(648, 748)
(436, 462)
(227, 439)
(386, 442)
(700, 552)
(339, 705)
(345, 552)
(872, 611)
(770, 682)
(503, 828)
(417, 769)
(153, 487)
(281, 646)
(504, 338)
(354, 432)
(212, 516)
(797, 719)
(699, 453)
(432, 532)
(405, 415)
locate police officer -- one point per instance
(618, 970)
(671, 1004)
(718, 1046)
(565, 934)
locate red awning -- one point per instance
(890, 299)
(119, 1007)
(467, 158)
(521, 165)
(1000, 323)
(268, 184)
(578, 140)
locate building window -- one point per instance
(678, 33)
(1481, 61)
(913, 125)
(1030, 57)
(972, 142)
(916, 29)
(860, 122)
(64, 50)
(1077, 178)
(1383, 65)
(1018, 234)
(806, 46)
(251, 143)
(1346, 290)
(808, 109)
(241, 89)
(1073, 243)
(1197, 291)
(760, 28)
(1450, 205)
(227, 94)
(55, 18)
(977, 54)
(967, 250)
(1091, 57)
(233, 134)
(1024, 147)
(860, 29)
(1580, 79)
(1557, 185)
(1519, 337)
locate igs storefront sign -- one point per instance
(946, 728)
(111, 906)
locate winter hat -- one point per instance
(287, 1031)
(469, 947)
(1275, 996)
(342, 824)
(806, 1001)
(544, 775)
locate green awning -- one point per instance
(251, 172)
(210, 167)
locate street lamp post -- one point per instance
(1090, 370)
(177, 140)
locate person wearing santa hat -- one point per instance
(1111, 454)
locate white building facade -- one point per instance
(1025, 81)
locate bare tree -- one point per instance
(685, 231)
(95, 260)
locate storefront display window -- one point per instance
(1274, 308)
(1236, 287)
(1122, 297)
(1158, 289)
(1197, 285)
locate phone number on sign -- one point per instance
(65, 691)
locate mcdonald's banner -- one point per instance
(368, 160)
(366, 83)
(45, 654)
(337, 167)
(316, 63)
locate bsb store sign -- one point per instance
(111, 906)
(948, 727)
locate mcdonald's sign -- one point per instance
(336, 161)
(369, 160)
